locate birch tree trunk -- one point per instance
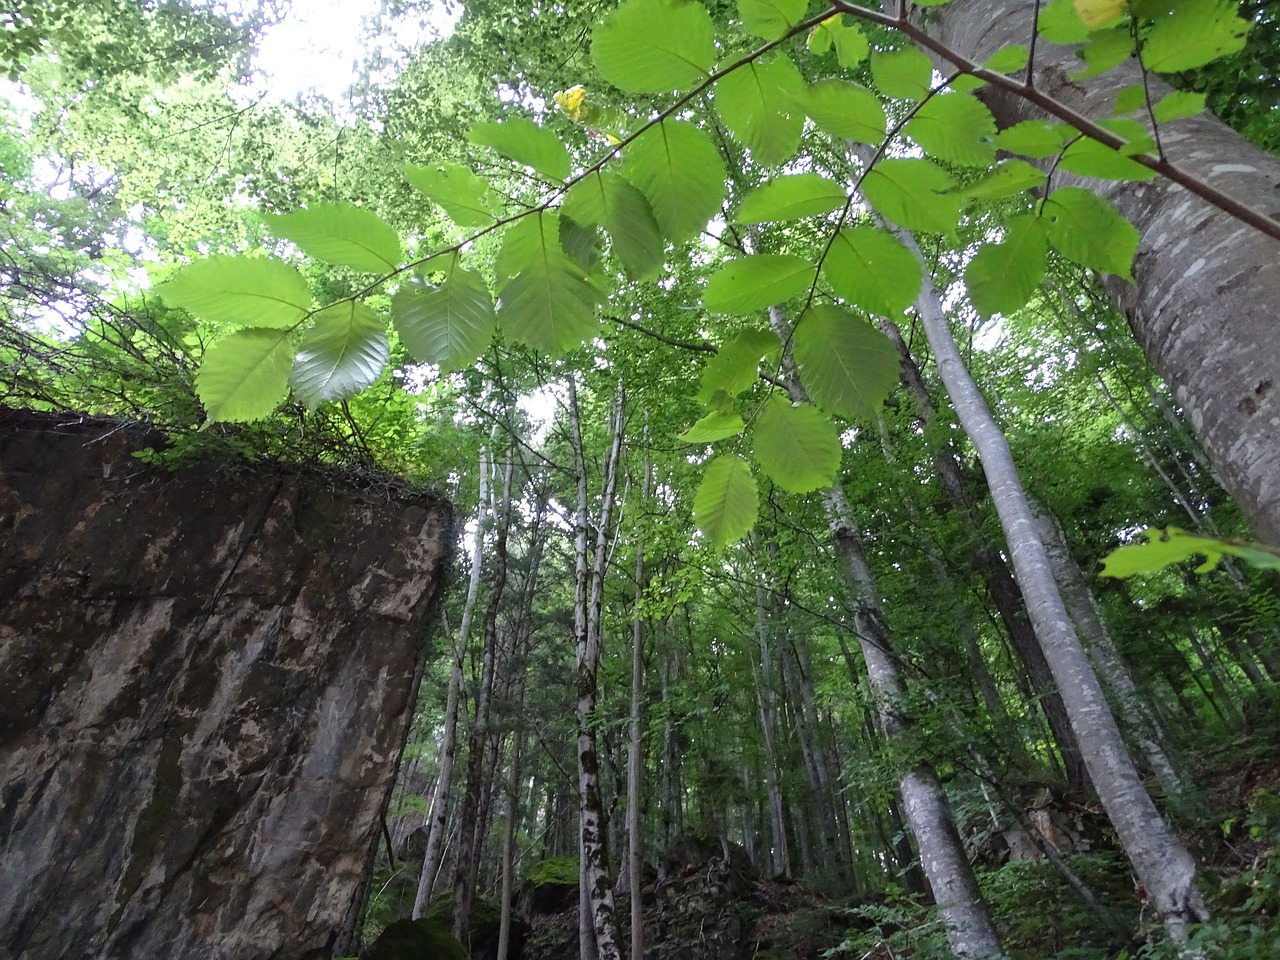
(1203, 305)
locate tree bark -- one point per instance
(1203, 304)
(635, 745)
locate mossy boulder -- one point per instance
(425, 939)
(485, 927)
(550, 886)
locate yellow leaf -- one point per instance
(1096, 13)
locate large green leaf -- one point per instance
(872, 270)
(847, 366)
(770, 19)
(955, 127)
(717, 425)
(342, 353)
(790, 198)
(677, 167)
(1002, 277)
(525, 142)
(449, 325)
(845, 110)
(1086, 228)
(245, 375)
(1035, 138)
(549, 303)
(606, 200)
(1007, 179)
(466, 198)
(725, 505)
(757, 281)
(905, 73)
(247, 292)
(654, 46)
(1164, 547)
(757, 104)
(1191, 33)
(341, 233)
(1090, 158)
(736, 366)
(912, 193)
(848, 39)
(798, 448)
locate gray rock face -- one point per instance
(205, 684)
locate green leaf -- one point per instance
(848, 39)
(1131, 98)
(245, 291)
(770, 19)
(677, 167)
(1090, 158)
(1164, 547)
(341, 233)
(906, 74)
(756, 104)
(549, 303)
(797, 447)
(736, 366)
(1177, 105)
(845, 110)
(717, 425)
(654, 46)
(581, 241)
(607, 200)
(1087, 229)
(1034, 138)
(1192, 33)
(1100, 13)
(954, 127)
(525, 142)
(726, 502)
(245, 375)
(1008, 179)
(872, 270)
(466, 198)
(757, 281)
(1010, 59)
(342, 353)
(847, 366)
(1059, 23)
(1003, 276)
(1105, 50)
(449, 325)
(911, 193)
(790, 198)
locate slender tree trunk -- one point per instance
(1162, 863)
(766, 697)
(635, 744)
(508, 848)
(1203, 304)
(448, 744)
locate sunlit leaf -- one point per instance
(679, 170)
(449, 325)
(465, 197)
(906, 74)
(798, 448)
(718, 425)
(912, 193)
(1010, 59)
(1003, 276)
(847, 365)
(954, 127)
(1105, 50)
(725, 505)
(343, 234)
(845, 110)
(1192, 33)
(525, 142)
(757, 281)
(1099, 13)
(654, 46)
(790, 198)
(607, 200)
(1035, 138)
(1177, 105)
(872, 270)
(1007, 179)
(770, 19)
(756, 102)
(1090, 158)
(245, 291)
(1164, 547)
(1087, 229)
(342, 353)
(736, 366)
(245, 375)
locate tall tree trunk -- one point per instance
(970, 931)
(635, 755)
(766, 700)
(1203, 304)
(508, 846)
(1162, 863)
(448, 744)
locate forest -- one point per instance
(860, 421)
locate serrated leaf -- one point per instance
(1090, 158)
(1003, 276)
(523, 141)
(343, 234)
(845, 110)
(1137, 139)
(954, 127)
(245, 375)
(1008, 179)
(1105, 50)
(1193, 33)
(1165, 547)
(906, 74)
(1009, 59)
(465, 198)
(725, 506)
(549, 303)
(607, 200)
(342, 353)
(679, 170)
(1131, 98)
(1177, 105)
(757, 281)
(790, 198)
(770, 19)
(1034, 138)
(582, 243)
(245, 291)
(798, 448)
(872, 270)
(735, 367)
(849, 41)
(1099, 13)
(756, 104)
(1059, 23)
(911, 193)
(1087, 229)
(847, 366)
(718, 425)
(654, 46)
(449, 325)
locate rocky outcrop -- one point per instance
(208, 677)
